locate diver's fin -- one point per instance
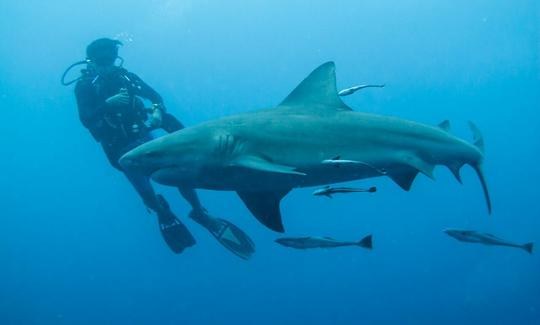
(366, 242)
(260, 164)
(404, 177)
(477, 136)
(445, 125)
(317, 91)
(227, 234)
(528, 247)
(177, 236)
(233, 238)
(174, 232)
(264, 205)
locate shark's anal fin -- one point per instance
(261, 164)
(264, 205)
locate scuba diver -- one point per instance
(111, 107)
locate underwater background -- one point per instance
(78, 247)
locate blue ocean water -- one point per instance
(78, 247)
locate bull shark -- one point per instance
(264, 154)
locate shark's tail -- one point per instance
(366, 242)
(479, 143)
(528, 247)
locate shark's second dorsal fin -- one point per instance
(444, 125)
(318, 90)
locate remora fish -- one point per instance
(472, 236)
(352, 90)
(263, 155)
(323, 242)
(328, 190)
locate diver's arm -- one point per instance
(168, 122)
(145, 91)
(91, 110)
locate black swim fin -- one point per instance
(228, 235)
(174, 232)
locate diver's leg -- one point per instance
(142, 185)
(191, 196)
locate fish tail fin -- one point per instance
(366, 242)
(528, 247)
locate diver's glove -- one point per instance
(156, 118)
(122, 98)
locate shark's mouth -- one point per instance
(169, 175)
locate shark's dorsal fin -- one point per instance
(317, 91)
(265, 206)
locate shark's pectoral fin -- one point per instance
(261, 164)
(264, 205)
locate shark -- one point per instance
(262, 155)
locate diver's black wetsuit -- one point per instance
(120, 128)
(117, 128)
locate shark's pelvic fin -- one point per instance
(445, 125)
(264, 205)
(261, 164)
(420, 165)
(317, 91)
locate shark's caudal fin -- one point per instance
(317, 91)
(264, 205)
(528, 247)
(479, 143)
(366, 242)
